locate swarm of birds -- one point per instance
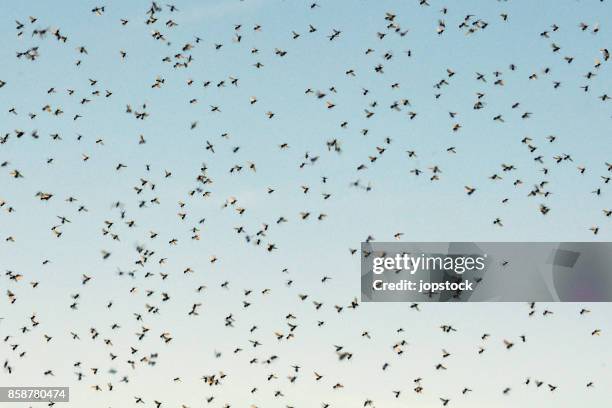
(170, 181)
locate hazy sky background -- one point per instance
(559, 349)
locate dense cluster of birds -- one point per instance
(124, 221)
